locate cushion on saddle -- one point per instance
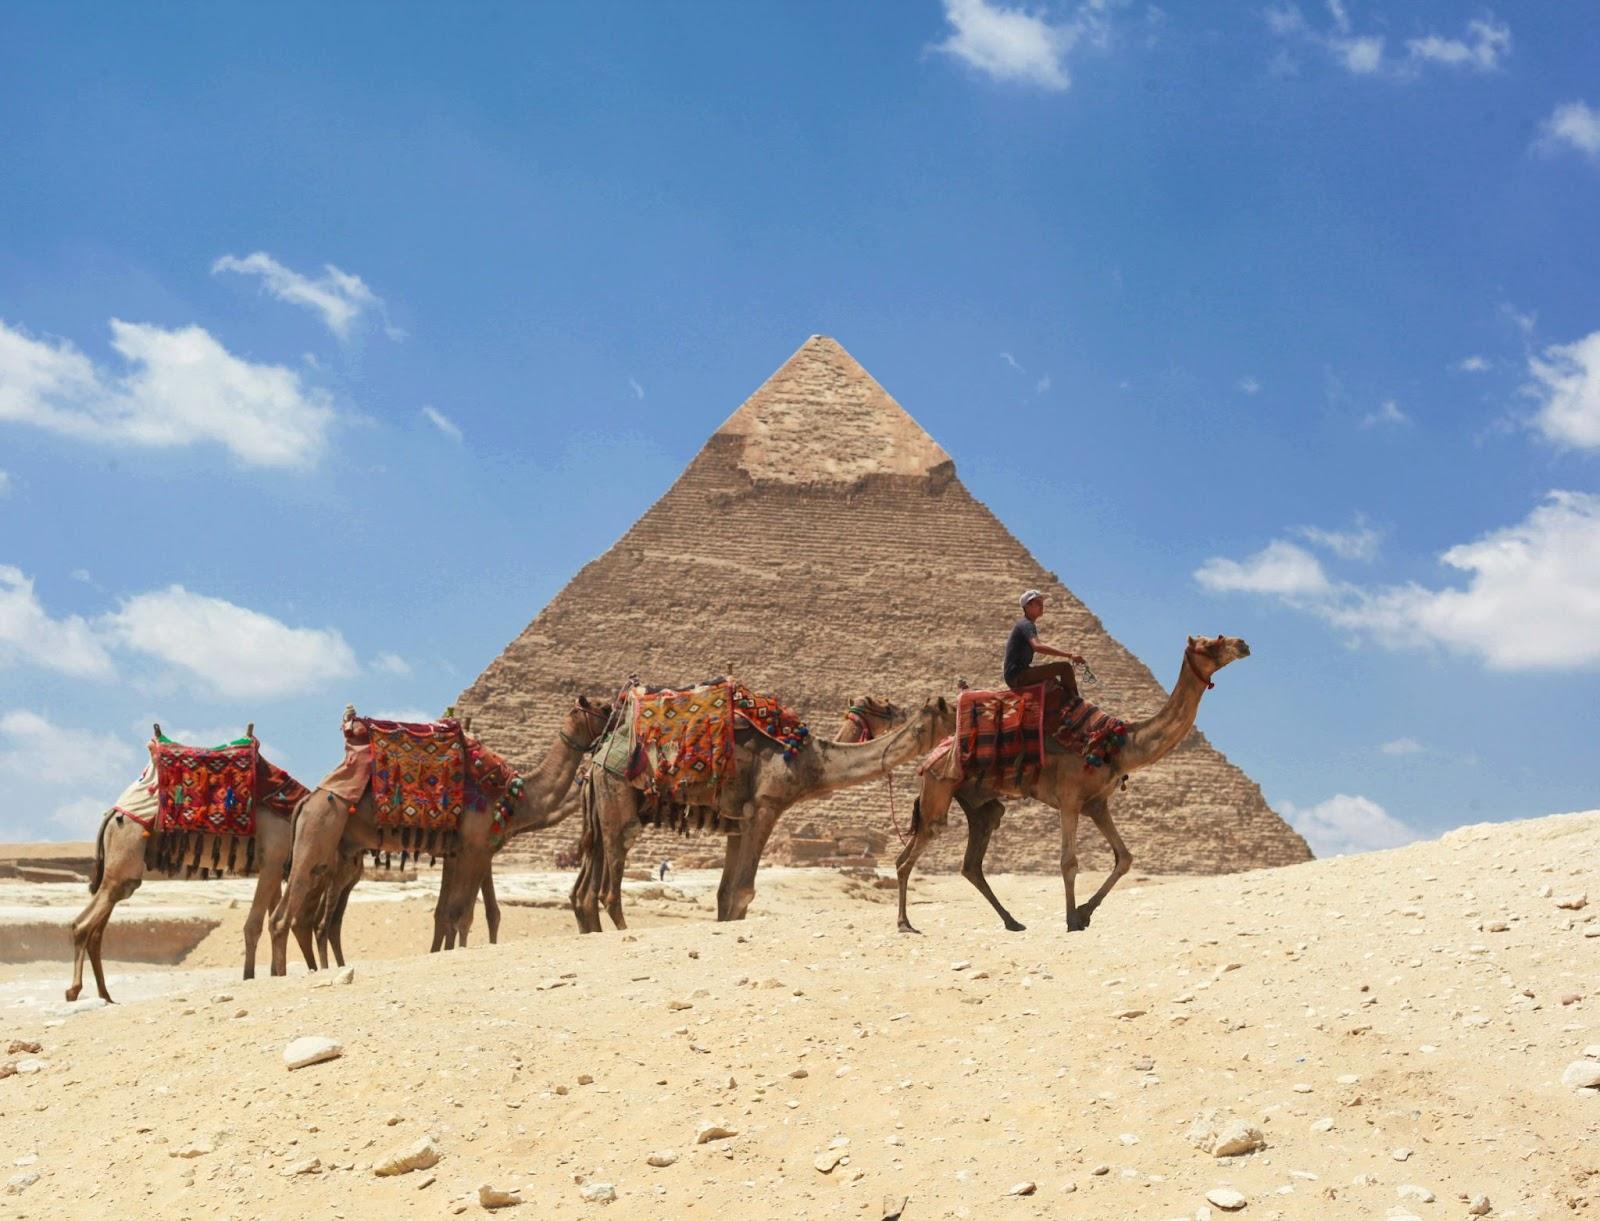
(1098, 736)
(419, 772)
(211, 792)
(768, 717)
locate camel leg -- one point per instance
(1069, 863)
(981, 824)
(458, 891)
(614, 847)
(120, 870)
(1099, 810)
(444, 938)
(755, 843)
(269, 888)
(732, 851)
(491, 908)
(585, 897)
(319, 825)
(928, 815)
(334, 930)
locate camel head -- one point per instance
(1210, 653)
(868, 718)
(585, 722)
(936, 721)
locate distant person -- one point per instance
(662, 876)
(1024, 642)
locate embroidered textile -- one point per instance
(767, 716)
(489, 776)
(682, 738)
(277, 791)
(419, 774)
(1000, 735)
(1097, 736)
(210, 792)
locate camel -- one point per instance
(1067, 786)
(762, 786)
(328, 828)
(120, 864)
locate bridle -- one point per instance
(590, 716)
(1188, 660)
(856, 715)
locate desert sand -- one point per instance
(1394, 1028)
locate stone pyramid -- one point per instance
(821, 547)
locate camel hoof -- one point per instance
(906, 928)
(1076, 923)
(72, 993)
(1016, 926)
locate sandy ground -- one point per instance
(1395, 1025)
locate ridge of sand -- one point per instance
(1419, 1004)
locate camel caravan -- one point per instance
(716, 757)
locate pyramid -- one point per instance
(821, 547)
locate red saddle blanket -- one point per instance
(419, 772)
(1000, 737)
(765, 715)
(682, 738)
(212, 792)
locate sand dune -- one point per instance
(1395, 1026)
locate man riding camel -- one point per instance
(1020, 672)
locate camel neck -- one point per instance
(848, 763)
(1155, 738)
(543, 790)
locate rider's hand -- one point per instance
(1075, 659)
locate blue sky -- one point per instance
(334, 339)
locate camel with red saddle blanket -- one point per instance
(423, 788)
(216, 811)
(1074, 783)
(678, 755)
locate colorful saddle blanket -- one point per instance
(682, 738)
(211, 792)
(1001, 735)
(768, 717)
(419, 772)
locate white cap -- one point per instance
(1029, 597)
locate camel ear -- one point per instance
(1191, 641)
(943, 707)
(583, 702)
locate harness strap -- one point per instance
(1188, 658)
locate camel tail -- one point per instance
(916, 815)
(99, 874)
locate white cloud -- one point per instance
(1402, 746)
(412, 716)
(1574, 125)
(638, 390)
(29, 634)
(1012, 44)
(339, 297)
(1249, 385)
(80, 818)
(1567, 378)
(1359, 543)
(1344, 824)
(1012, 361)
(392, 663)
(32, 746)
(82, 574)
(1280, 569)
(181, 387)
(238, 653)
(1388, 416)
(1531, 600)
(1043, 384)
(1483, 47)
(443, 423)
(1473, 364)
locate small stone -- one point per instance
(799, 1074)
(1301, 1087)
(1101, 1169)
(1573, 902)
(19, 1183)
(222, 998)
(421, 1155)
(1592, 1051)
(1572, 998)
(1226, 1198)
(346, 975)
(1325, 1124)
(427, 1180)
(1401, 1154)
(676, 1005)
(708, 1132)
(1128, 1014)
(311, 1049)
(23, 1047)
(894, 1206)
(1496, 926)
(1348, 1079)
(827, 1160)
(960, 966)
(309, 1166)
(1410, 1191)
(1582, 1074)
(493, 1197)
(32, 1064)
(1223, 1137)
(662, 1157)
(586, 1079)
(196, 1148)
(1025, 1188)
(1479, 1207)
